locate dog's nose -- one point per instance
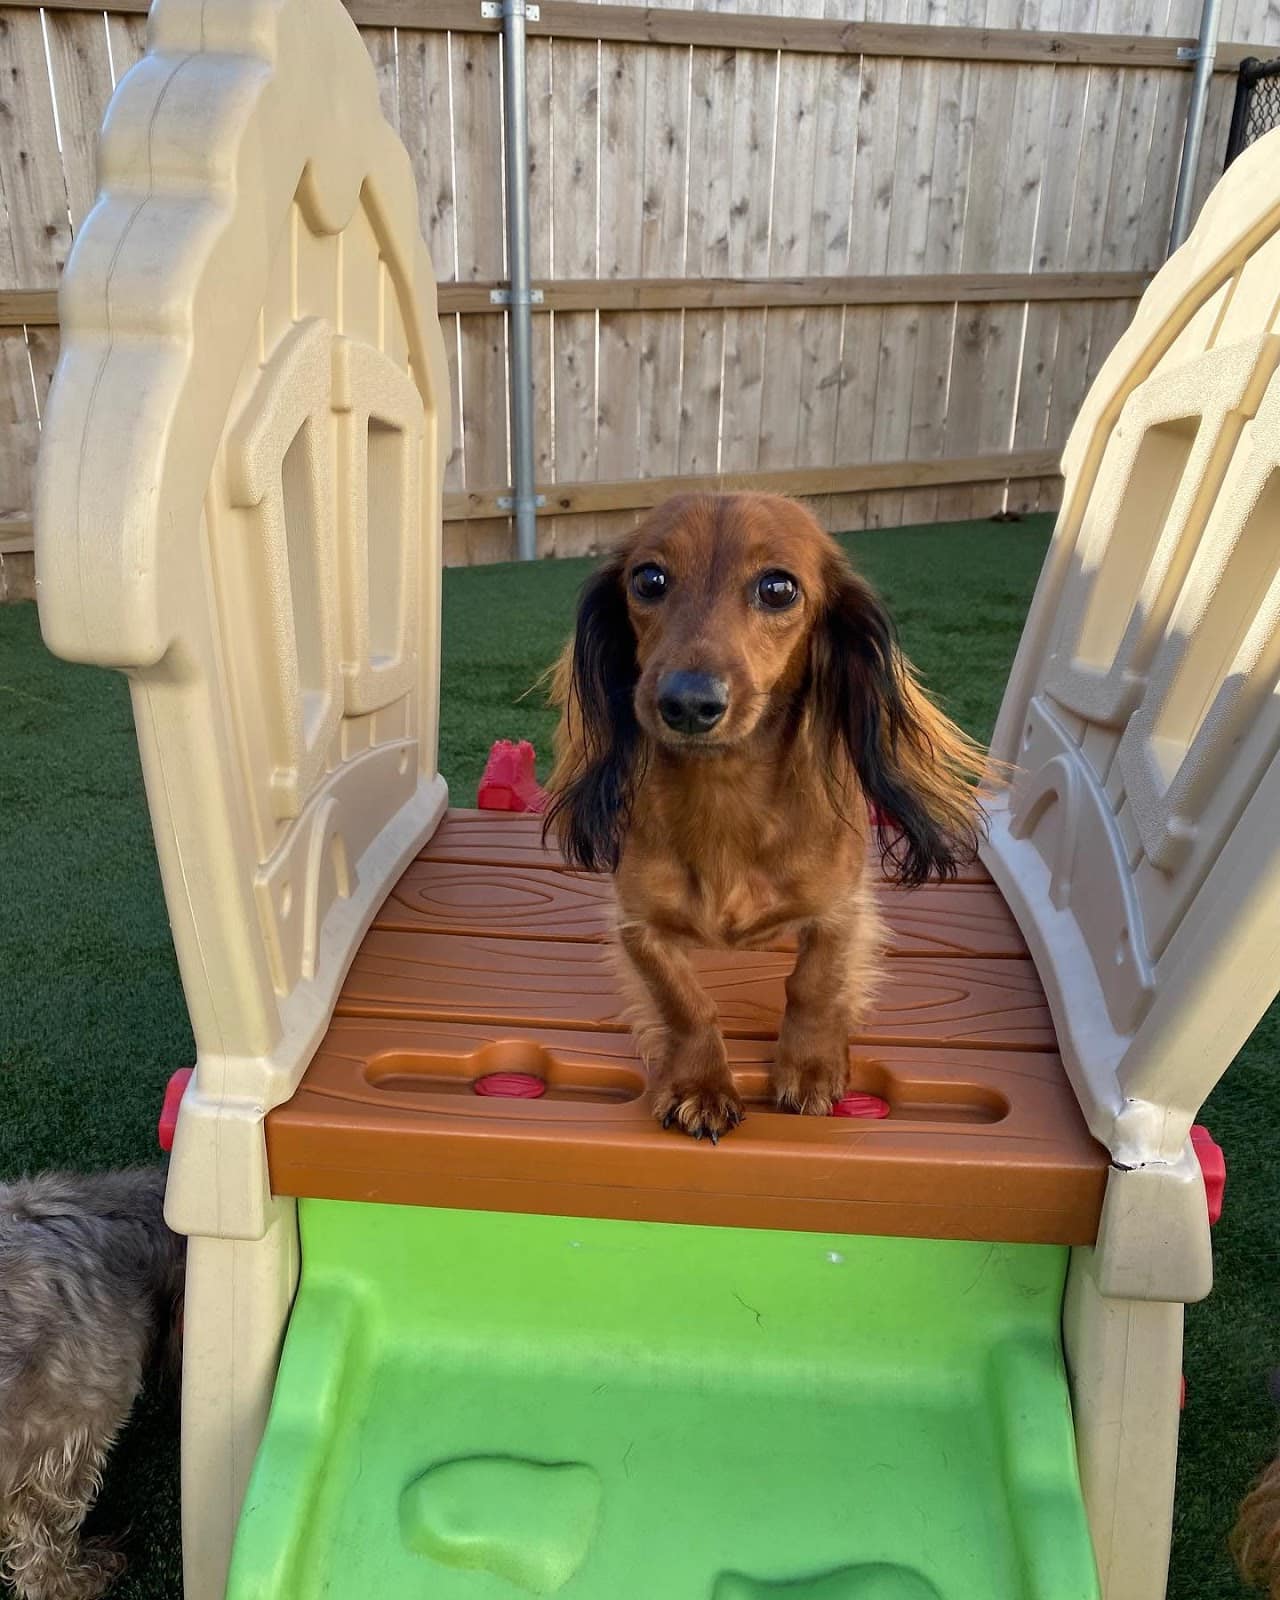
(692, 702)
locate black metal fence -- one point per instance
(1257, 108)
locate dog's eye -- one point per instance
(649, 582)
(778, 590)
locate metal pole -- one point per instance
(524, 502)
(1204, 53)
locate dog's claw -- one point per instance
(715, 1137)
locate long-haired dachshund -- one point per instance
(1255, 1539)
(732, 703)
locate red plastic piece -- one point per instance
(1213, 1167)
(860, 1105)
(509, 782)
(510, 1086)
(174, 1090)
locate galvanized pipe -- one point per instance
(524, 502)
(1206, 50)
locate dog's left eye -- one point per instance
(649, 582)
(778, 590)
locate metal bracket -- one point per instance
(1189, 52)
(502, 297)
(507, 502)
(495, 10)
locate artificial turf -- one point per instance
(92, 1019)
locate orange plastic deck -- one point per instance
(446, 896)
(490, 955)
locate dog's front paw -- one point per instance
(695, 1090)
(709, 1112)
(810, 1076)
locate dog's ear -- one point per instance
(596, 768)
(914, 765)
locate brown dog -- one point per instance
(732, 702)
(1255, 1539)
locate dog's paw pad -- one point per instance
(529, 1522)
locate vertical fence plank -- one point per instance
(622, 143)
(575, 109)
(786, 387)
(940, 183)
(381, 45)
(870, 217)
(81, 61)
(711, 91)
(751, 139)
(35, 235)
(819, 333)
(423, 118)
(128, 36)
(903, 328)
(664, 204)
(478, 223)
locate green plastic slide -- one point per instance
(476, 1406)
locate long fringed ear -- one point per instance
(914, 765)
(598, 742)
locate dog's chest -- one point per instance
(730, 902)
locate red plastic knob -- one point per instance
(1213, 1168)
(860, 1105)
(174, 1090)
(510, 1086)
(510, 781)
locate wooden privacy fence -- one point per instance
(871, 255)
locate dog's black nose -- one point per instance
(692, 702)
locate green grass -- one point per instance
(92, 1018)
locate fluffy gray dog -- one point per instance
(90, 1292)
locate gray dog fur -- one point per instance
(90, 1293)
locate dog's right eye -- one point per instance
(649, 582)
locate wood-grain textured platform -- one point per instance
(490, 955)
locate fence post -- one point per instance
(1240, 110)
(1205, 51)
(519, 297)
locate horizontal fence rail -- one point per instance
(872, 264)
(38, 308)
(742, 30)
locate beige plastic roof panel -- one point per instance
(1139, 843)
(239, 505)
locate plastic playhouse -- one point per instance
(472, 1345)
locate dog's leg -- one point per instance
(41, 1552)
(689, 1071)
(812, 1066)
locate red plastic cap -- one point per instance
(1213, 1167)
(860, 1105)
(174, 1090)
(510, 1086)
(510, 781)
